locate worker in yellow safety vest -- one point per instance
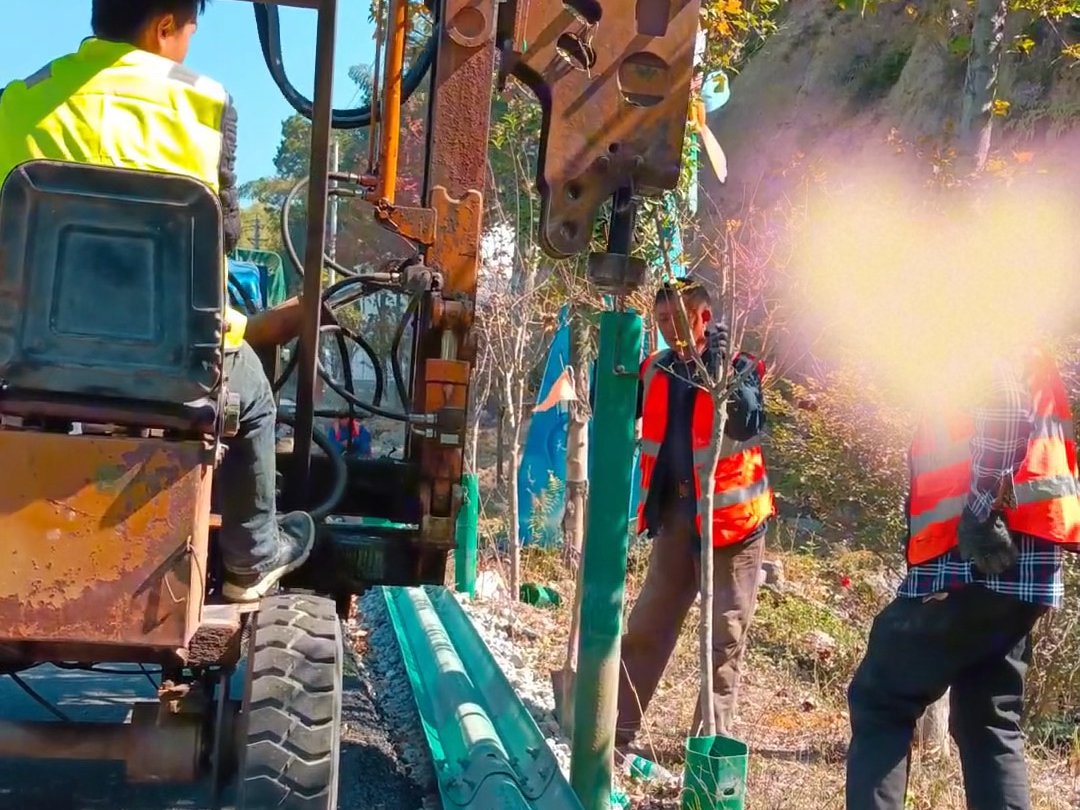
(676, 437)
(125, 99)
(993, 504)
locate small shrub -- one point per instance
(838, 450)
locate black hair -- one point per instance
(124, 20)
(693, 291)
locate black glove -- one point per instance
(718, 339)
(989, 546)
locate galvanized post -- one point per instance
(604, 559)
(467, 525)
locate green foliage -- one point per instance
(839, 452)
(544, 506)
(787, 627)
(734, 28)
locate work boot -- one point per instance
(297, 533)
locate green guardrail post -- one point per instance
(467, 526)
(604, 561)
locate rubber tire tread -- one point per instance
(292, 706)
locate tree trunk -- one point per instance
(577, 443)
(514, 534)
(980, 85)
(473, 449)
(500, 451)
(932, 731)
(708, 490)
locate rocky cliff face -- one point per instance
(832, 84)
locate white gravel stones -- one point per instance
(495, 623)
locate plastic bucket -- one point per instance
(714, 777)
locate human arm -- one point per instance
(1003, 424)
(746, 405)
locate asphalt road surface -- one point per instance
(369, 779)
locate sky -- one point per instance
(225, 48)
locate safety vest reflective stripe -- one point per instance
(650, 448)
(743, 500)
(1045, 490)
(703, 456)
(739, 495)
(943, 510)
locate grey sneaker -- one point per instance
(297, 531)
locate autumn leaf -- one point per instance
(1001, 107)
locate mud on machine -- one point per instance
(108, 537)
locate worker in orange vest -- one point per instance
(993, 504)
(676, 433)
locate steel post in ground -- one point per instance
(604, 559)
(466, 536)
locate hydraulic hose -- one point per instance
(395, 349)
(286, 235)
(343, 335)
(340, 474)
(268, 23)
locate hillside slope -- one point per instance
(832, 84)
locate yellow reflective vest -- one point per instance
(111, 104)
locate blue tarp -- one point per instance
(245, 283)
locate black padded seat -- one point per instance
(111, 293)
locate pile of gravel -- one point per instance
(387, 683)
(496, 624)
(506, 635)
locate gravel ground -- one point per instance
(400, 741)
(509, 638)
(495, 622)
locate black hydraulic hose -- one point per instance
(340, 475)
(268, 23)
(395, 350)
(347, 375)
(343, 335)
(286, 234)
(350, 397)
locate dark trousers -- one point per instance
(671, 586)
(247, 477)
(975, 641)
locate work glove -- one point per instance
(718, 339)
(989, 546)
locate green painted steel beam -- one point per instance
(467, 534)
(488, 752)
(607, 534)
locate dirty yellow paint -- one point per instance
(99, 528)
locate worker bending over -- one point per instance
(676, 433)
(993, 503)
(125, 99)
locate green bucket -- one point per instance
(714, 777)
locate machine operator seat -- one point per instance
(111, 314)
(111, 297)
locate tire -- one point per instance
(291, 715)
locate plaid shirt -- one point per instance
(1002, 429)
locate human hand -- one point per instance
(989, 546)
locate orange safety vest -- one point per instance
(1045, 500)
(742, 500)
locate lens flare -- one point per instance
(927, 291)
